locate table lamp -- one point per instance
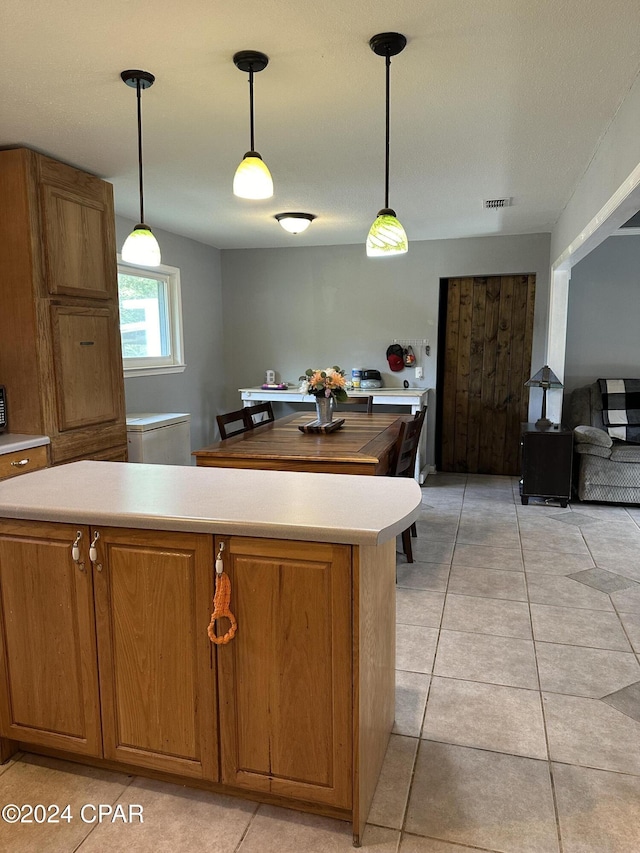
(545, 378)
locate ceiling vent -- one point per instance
(492, 203)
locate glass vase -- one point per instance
(324, 410)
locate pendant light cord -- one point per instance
(386, 160)
(251, 107)
(138, 90)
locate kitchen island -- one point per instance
(106, 586)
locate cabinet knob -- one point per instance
(21, 463)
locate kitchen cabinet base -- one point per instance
(8, 749)
(200, 784)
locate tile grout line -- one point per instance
(244, 834)
(552, 782)
(132, 779)
(431, 677)
(626, 633)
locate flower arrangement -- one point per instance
(324, 383)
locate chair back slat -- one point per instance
(407, 446)
(404, 464)
(364, 404)
(260, 413)
(232, 423)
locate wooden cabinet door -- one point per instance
(78, 227)
(285, 685)
(153, 603)
(48, 670)
(87, 371)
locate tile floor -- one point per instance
(518, 704)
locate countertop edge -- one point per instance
(220, 527)
(339, 508)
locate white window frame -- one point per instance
(174, 362)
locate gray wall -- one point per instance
(289, 309)
(603, 338)
(200, 390)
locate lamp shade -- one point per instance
(295, 223)
(141, 247)
(253, 178)
(544, 378)
(386, 236)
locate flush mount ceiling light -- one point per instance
(295, 223)
(252, 178)
(386, 235)
(140, 247)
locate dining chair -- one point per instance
(258, 414)
(233, 423)
(358, 404)
(403, 465)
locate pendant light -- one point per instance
(140, 247)
(386, 235)
(252, 178)
(295, 223)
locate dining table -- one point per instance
(363, 444)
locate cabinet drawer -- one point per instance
(12, 464)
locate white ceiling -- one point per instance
(489, 99)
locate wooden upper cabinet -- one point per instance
(153, 597)
(78, 231)
(48, 670)
(60, 345)
(285, 679)
(75, 244)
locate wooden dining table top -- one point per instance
(363, 445)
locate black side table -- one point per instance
(546, 461)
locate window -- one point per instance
(150, 320)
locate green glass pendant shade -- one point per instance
(386, 236)
(253, 178)
(141, 247)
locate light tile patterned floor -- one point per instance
(514, 732)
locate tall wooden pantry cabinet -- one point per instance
(60, 356)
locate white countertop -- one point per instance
(10, 442)
(338, 508)
(143, 421)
